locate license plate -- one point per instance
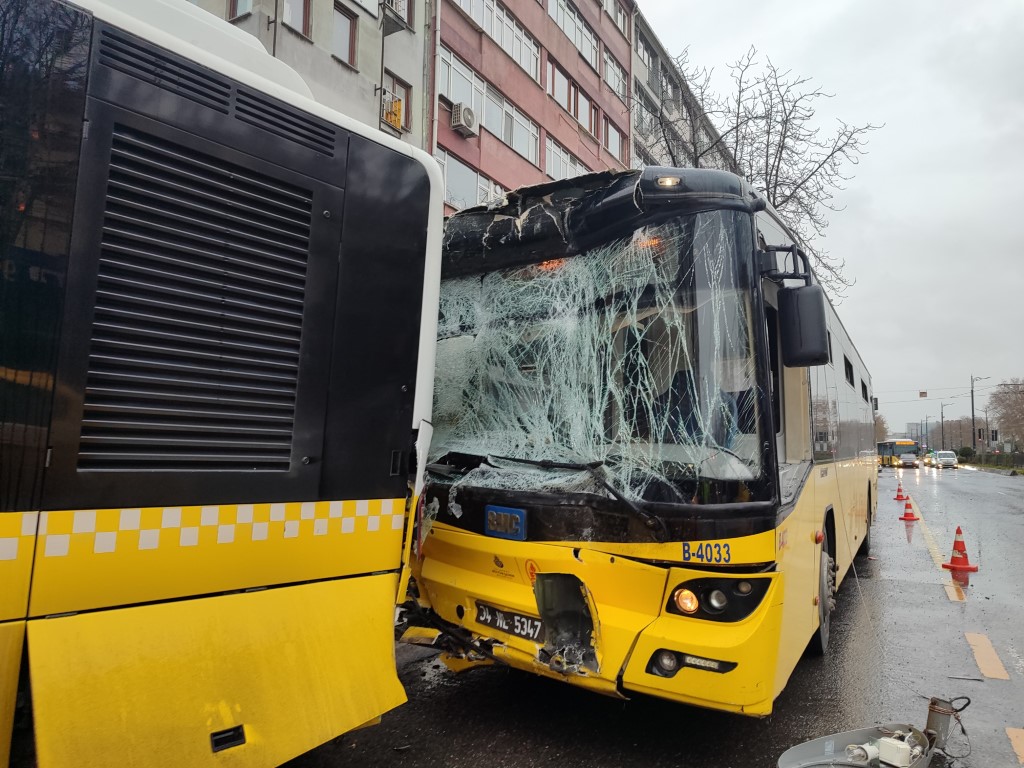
(510, 622)
(505, 522)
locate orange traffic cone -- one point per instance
(899, 493)
(908, 513)
(958, 560)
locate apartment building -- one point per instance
(670, 126)
(364, 58)
(530, 91)
(502, 92)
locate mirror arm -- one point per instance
(769, 267)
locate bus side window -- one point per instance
(772, 318)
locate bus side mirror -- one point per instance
(803, 327)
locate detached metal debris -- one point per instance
(895, 745)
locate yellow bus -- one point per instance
(889, 451)
(214, 364)
(653, 457)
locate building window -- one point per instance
(560, 163)
(239, 8)
(618, 14)
(613, 141)
(512, 126)
(343, 39)
(621, 20)
(464, 186)
(458, 83)
(641, 157)
(849, 370)
(645, 51)
(494, 19)
(572, 98)
(296, 15)
(864, 391)
(402, 8)
(615, 75)
(670, 90)
(569, 21)
(395, 103)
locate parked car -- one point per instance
(946, 459)
(909, 460)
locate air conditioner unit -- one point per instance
(464, 120)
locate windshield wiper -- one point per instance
(653, 523)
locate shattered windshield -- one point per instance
(637, 355)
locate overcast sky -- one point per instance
(932, 226)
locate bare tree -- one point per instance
(1007, 404)
(781, 147)
(767, 128)
(881, 428)
(681, 126)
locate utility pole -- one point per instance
(974, 429)
(926, 431)
(942, 415)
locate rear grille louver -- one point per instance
(145, 62)
(120, 52)
(194, 357)
(257, 110)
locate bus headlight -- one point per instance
(718, 598)
(685, 600)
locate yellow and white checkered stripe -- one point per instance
(154, 527)
(14, 528)
(90, 558)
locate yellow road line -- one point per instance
(1017, 740)
(953, 590)
(986, 656)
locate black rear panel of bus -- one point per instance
(215, 295)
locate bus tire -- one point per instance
(826, 597)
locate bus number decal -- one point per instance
(707, 552)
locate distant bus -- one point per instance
(653, 457)
(218, 303)
(889, 451)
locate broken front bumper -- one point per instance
(604, 619)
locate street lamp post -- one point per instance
(942, 415)
(974, 429)
(926, 431)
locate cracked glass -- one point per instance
(633, 363)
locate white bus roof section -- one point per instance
(198, 35)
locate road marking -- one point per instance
(986, 656)
(953, 590)
(1017, 740)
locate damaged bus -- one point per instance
(653, 458)
(205, 443)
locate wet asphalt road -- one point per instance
(899, 636)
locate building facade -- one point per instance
(670, 125)
(363, 58)
(530, 91)
(503, 93)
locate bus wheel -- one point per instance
(826, 598)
